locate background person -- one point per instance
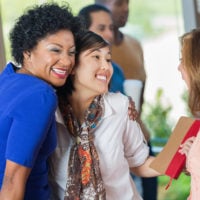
(97, 143)
(43, 45)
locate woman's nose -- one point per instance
(67, 60)
(106, 66)
(179, 66)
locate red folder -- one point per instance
(169, 161)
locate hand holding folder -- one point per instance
(169, 161)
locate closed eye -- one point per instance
(56, 50)
(97, 57)
(72, 53)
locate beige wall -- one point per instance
(2, 49)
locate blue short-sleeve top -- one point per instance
(27, 127)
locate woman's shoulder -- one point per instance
(37, 89)
(117, 101)
(115, 96)
(23, 82)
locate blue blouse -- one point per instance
(27, 127)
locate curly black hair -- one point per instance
(38, 22)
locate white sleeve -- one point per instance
(135, 146)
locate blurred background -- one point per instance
(157, 24)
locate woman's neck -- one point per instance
(80, 104)
(24, 70)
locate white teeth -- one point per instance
(101, 77)
(59, 71)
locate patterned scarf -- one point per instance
(84, 175)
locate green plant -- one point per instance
(179, 189)
(184, 97)
(156, 116)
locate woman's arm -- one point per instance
(144, 170)
(191, 148)
(14, 181)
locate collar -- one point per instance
(59, 118)
(108, 110)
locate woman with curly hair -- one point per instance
(43, 45)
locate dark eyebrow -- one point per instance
(61, 46)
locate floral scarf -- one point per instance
(84, 176)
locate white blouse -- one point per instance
(120, 145)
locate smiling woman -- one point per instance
(97, 143)
(52, 59)
(43, 47)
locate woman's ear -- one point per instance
(27, 55)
